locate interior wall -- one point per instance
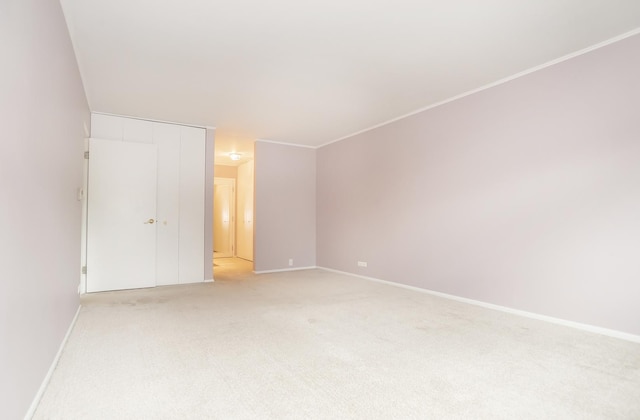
(208, 203)
(225, 171)
(285, 206)
(224, 217)
(244, 211)
(43, 115)
(525, 195)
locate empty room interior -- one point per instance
(338, 209)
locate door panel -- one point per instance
(106, 127)
(167, 138)
(121, 243)
(139, 131)
(192, 169)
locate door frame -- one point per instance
(83, 198)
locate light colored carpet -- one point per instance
(228, 268)
(318, 345)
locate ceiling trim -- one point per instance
(493, 84)
(306, 146)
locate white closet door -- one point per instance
(167, 138)
(121, 230)
(139, 131)
(192, 170)
(107, 127)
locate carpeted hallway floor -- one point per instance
(229, 268)
(319, 345)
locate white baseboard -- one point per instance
(54, 363)
(209, 281)
(284, 269)
(585, 327)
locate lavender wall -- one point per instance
(42, 115)
(285, 206)
(525, 195)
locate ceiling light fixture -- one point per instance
(235, 156)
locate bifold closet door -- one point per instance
(121, 229)
(167, 138)
(192, 184)
(179, 181)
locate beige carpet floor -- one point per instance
(229, 268)
(318, 345)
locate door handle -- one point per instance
(149, 222)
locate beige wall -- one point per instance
(224, 171)
(244, 211)
(224, 216)
(43, 113)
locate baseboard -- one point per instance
(54, 363)
(209, 281)
(284, 269)
(585, 327)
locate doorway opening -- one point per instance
(233, 226)
(224, 226)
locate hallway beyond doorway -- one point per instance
(227, 268)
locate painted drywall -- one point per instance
(208, 203)
(224, 227)
(525, 195)
(285, 206)
(43, 113)
(244, 211)
(225, 171)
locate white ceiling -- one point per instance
(310, 72)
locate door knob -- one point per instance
(149, 222)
